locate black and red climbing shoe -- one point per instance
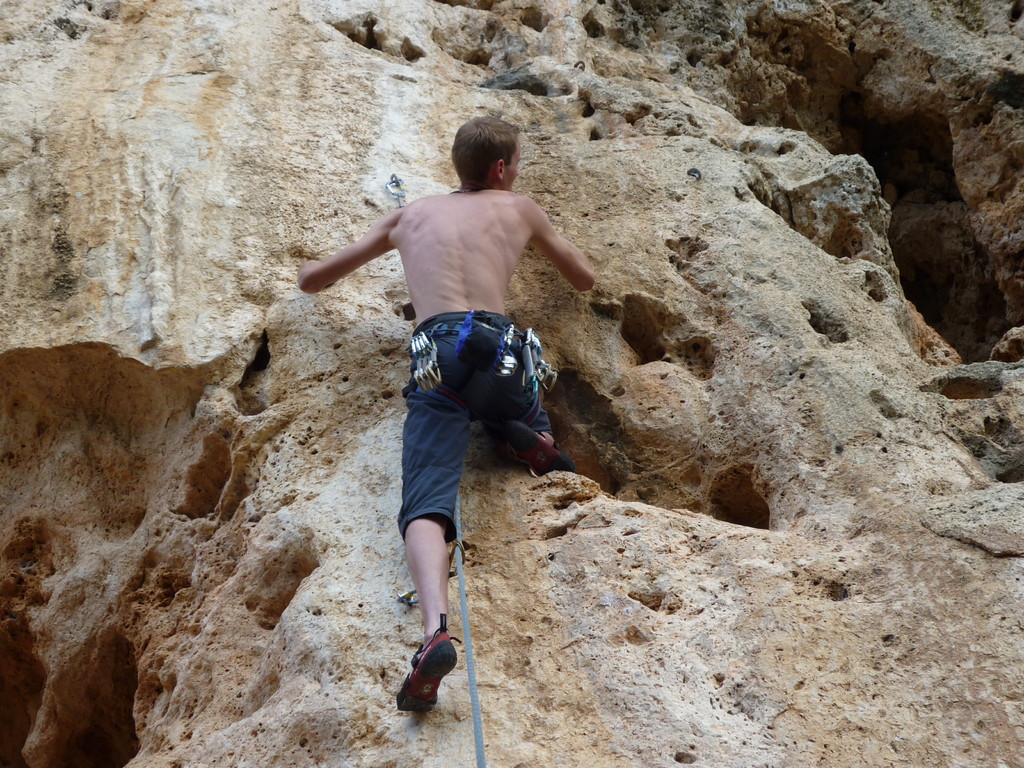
(539, 452)
(429, 664)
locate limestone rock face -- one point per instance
(794, 395)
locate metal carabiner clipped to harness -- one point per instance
(537, 370)
(426, 372)
(506, 363)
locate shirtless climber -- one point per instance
(459, 252)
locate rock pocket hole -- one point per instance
(1016, 11)
(823, 321)
(522, 79)
(69, 28)
(593, 27)
(875, 286)
(833, 590)
(652, 599)
(360, 30)
(206, 478)
(275, 586)
(594, 439)
(655, 333)
(964, 388)
(533, 18)
(734, 499)
(698, 356)
(411, 51)
(643, 320)
(684, 249)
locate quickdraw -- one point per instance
(507, 362)
(396, 188)
(537, 370)
(423, 351)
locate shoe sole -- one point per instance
(426, 678)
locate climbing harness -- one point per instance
(487, 348)
(396, 188)
(474, 695)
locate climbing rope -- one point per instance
(474, 696)
(410, 598)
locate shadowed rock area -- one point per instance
(794, 395)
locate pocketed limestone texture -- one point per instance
(794, 394)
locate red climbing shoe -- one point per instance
(429, 664)
(537, 451)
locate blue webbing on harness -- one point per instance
(464, 331)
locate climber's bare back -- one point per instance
(458, 250)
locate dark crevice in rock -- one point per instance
(250, 394)
(521, 78)
(261, 360)
(593, 27)
(480, 5)
(25, 560)
(943, 269)
(595, 438)
(734, 499)
(23, 678)
(1009, 88)
(588, 107)
(105, 737)
(360, 31)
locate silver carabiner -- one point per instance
(507, 362)
(426, 372)
(396, 188)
